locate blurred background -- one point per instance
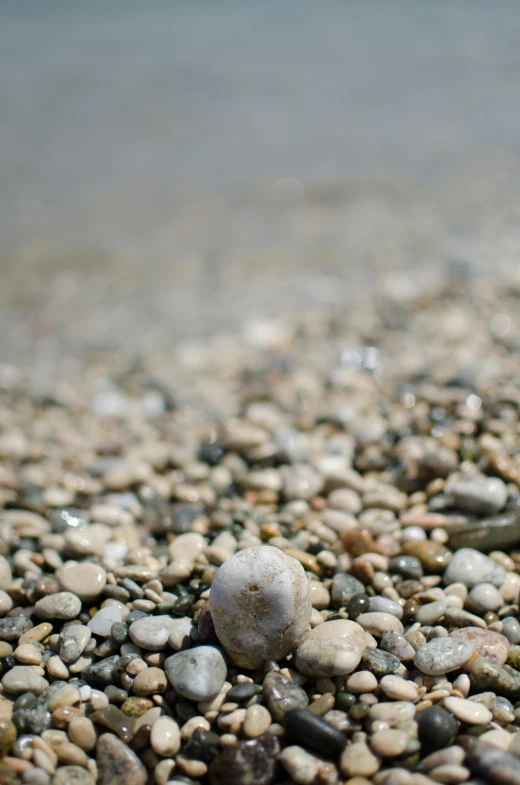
(170, 168)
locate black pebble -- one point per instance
(310, 731)
(358, 604)
(241, 692)
(407, 566)
(437, 728)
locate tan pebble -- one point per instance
(399, 689)
(54, 737)
(322, 704)
(57, 668)
(333, 648)
(40, 744)
(148, 718)
(257, 721)
(394, 713)
(17, 765)
(362, 681)
(98, 699)
(320, 596)
(136, 666)
(71, 754)
(468, 711)
(81, 731)
(84, 579)
(376, 622)
(389, 743)
(27, 654)
(38, 633)
(232, 723)
(191, 726)
(187, 546)
(62, 716)
(193, 768)
(42, 760)
(449, 774)
(6, 708)
(163, 771)
(228, 740)
(358, 761)
(462, 684)
(165, 737)
(325, 685)
(499, 737)
(149, 682)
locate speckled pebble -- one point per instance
(62, 605)
(333, 648)
(197, 674)
(471, 567)
(442, 655)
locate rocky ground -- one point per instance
(358, 476)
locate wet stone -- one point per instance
(310, 731)
(251, 762)
(344, 587)
(13, 627)
(241, 692)
(115, 720)
(283, 695)
(381, 663)
(442, 655)
(117, 764)
(433, 556)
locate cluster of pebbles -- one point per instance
(291, 555)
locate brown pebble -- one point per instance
(323, 704)
(433, 556)
(358, 541)
(135, 707)
(7, 736)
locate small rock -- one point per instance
(471, 712)
(84, 579)
(442, 655)
(511, 629)
(494, 764)
(380, 662)
(257, 721)
(358, 761)
(378, 623)
(484, 597)
(251, 762)
(308, 730)
(500, 679)
(12, 628)
(165, 737)
(72, 775)
(436, 727)
(150, 681)
(395, 643)
(101, 623)
(62, 605)
(344, 587)
(74, 639)
(486, 643)
(333, 648)
(117, 764)
(180, 633)
(283, 695)
(389, 743)
(152, 632)
(22, 678)
(471, 567)
(306, 769)
(398, 689)
(260, 605)
(197, 674)
(480, 495)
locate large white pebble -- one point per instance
(260, 604)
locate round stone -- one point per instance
(484, 597)
(197, 674)
(333, 648)
(436, 728)
(359, 761)
(152, 632)
(22, 678)
(399, 689)
(377, 623)
(84, 579)
(257, 721)
(389, 743)
(260, 604)
(479, 495)
(165, 737)
(471, 567)
(486, 643)
(149, 681)
(471, 712)
(442, 655)
(361, 681)
(62, 605)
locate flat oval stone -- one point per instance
(283, 694)
(84, 579)
(165, 737)
(197, 674)
(333, 648)
(152, 632)
(22, 678)
(380, 604)
(62, 605)
(471, 712)
(484, 597)
(305, 728)
(486, 643)
(470, 567)
(117, 764)
(378, 623)
(442, 655)
(380, 662)
(260, 605)
(395, 643)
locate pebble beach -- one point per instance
(290, 554)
